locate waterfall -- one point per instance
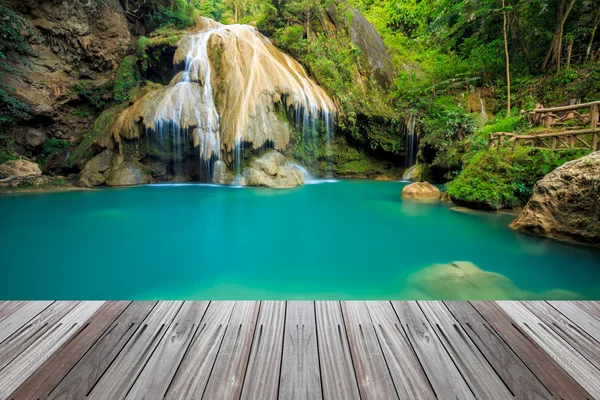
(412, 140)
(230, 97)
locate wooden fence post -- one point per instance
(595, 141)
(572, 142)
(554, 143)
(594, 116)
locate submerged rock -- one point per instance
(566, 203)
(421, 191)
(272, 170)
(463, 280)
(18, 168)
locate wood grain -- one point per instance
(300, 371)
(373, 376)
(567, 330)
(406, 371)
(521, 381)
(44, 380)
(579, 317)
(590, 307)
(545, 368)
(158, 373)
(121, 375)
(264, 366)
(9, 307)
(35, 355)
(33, 330)
(85, 374)
(21, 317)
(192, 376)
(445, 378)
(227, 377)
(337, 371)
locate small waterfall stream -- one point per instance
(412, 140)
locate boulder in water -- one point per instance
(128, 173)
(18, 168)
(566, 203)
(272, 170)
(95, 171)
(420, 191)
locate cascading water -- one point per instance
(230, 96)
(412, 140)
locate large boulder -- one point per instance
(421, 191)
(18, 168)
(96, 171)
(272, 170)
(566, 203)
(128, 173)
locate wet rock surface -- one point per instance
(566, 203)
(420, 190)
(272, 170)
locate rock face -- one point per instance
(128, 173)
(272, 170)
(77, 44)
(420, 191)
(566, 203)
(96, 171)
(18, 168)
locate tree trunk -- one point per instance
(590, 44)
(555, 50)
(569, 52)
(507, 58)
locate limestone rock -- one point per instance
(566, 203)
(272, 170)
(93, 172)
(128, 173)
(32, 182)
(32, 138)
(18, 168)
(463, 280)
(420, 190)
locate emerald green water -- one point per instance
(337, 240)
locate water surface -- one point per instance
(334, 240)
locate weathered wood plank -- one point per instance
(574, 363)
(35, 355)
(544, 367)
(46, 378)
(567, 330)
(85, 374)
(590, 307)
(21, 317)
(264, 366)
(121, 375)
(9, 307)
(520, 380)
(579, 317)
(191, 377)
(158, 373)
(373, 377)
(227, 377)
(443, 375)
(33, 330)
(337, 371)
(406, 371)
(300, 371)
(479, 374)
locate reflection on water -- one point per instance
(338, 240)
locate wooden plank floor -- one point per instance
(299, 350)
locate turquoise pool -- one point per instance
(334, 240)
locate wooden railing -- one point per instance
(557, 117)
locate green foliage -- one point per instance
(149, 49)
(180, 14)
(91, 93)
(127, 76)
(81, 112)
(504, 178)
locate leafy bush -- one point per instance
(126, 78)
(180, 14)
(504, 178)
